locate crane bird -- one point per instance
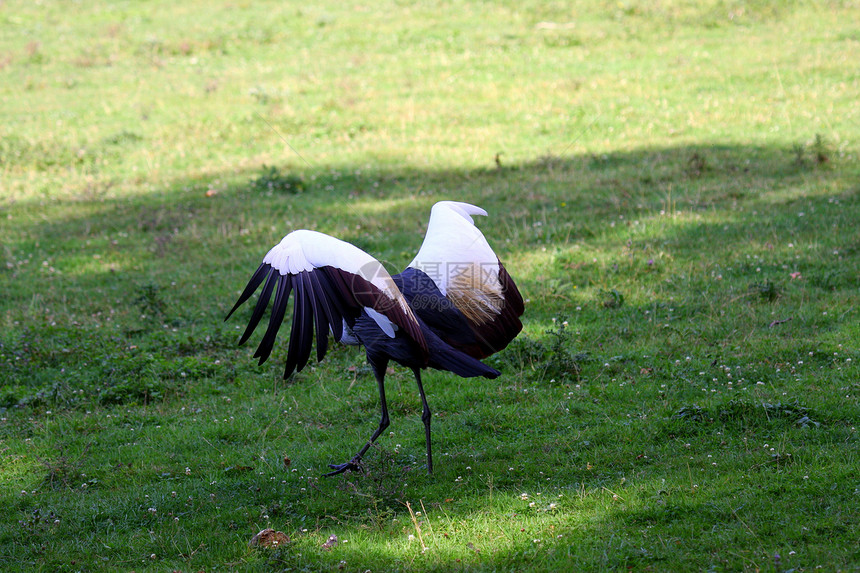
(453, 305)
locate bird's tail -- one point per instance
(461, 364)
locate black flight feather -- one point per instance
(255, 281)
(279, 308)
(262, 303)
(331, 305)
(321, 319)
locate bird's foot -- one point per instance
(353, 465)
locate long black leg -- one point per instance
(425, 417)
(355, 463)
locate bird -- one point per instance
(454, 305)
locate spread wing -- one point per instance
(333, 282)
(475, 285)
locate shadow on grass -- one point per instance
(211, 226)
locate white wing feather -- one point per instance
(452, 243)
(305, 250)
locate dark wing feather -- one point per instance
(279, 309)
(301, 334)
(334, 312)
(262, 303)
(321, 316)
(255, 281)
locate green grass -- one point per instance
(674, 185)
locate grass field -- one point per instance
(674, 185)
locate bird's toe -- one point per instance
(352, 465)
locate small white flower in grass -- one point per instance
(532, 504)
(523, 496)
